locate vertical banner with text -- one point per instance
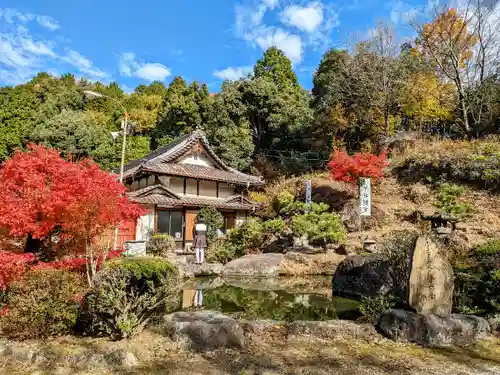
(365, 197)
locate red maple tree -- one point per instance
(347, 168)
(43, 194)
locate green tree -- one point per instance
(74, 133)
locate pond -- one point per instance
(277, 299)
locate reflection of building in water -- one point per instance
(188, 298)
(302, 299)
(191, 298)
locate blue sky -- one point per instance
(137, 42)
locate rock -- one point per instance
(353, 222)
(203, 330)
(430, 286)
(432, 330)
(122, 358)
(205, 269)
(494, 322)
(363, 276)
(255, 265)
(417, 193)
(5, 349)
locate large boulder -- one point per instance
(363, 276)
(352, 220)
(430, 286)
(432, 330)
(203, 330)
(255, 265)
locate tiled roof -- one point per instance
(201, 172)
(161, 161)
(162, 200)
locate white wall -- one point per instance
(240, 218)
(208, 189)
(225, 190)
(197, 159)
(145, 223)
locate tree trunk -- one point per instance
(465, 114)
(32, 245)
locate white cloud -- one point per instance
(37, 48)
(12, 15)
(307, 18)
(12, 54)
(271, 4)
(290, 44)
(153, 72)
(76, 59)
(233, 73)
(83, 64)
(48, 22)
(129, 66)
(304, 26)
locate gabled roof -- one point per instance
(162, 196)
(162, 161)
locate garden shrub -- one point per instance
(42, 304)
(213, 219)
(477, 286)
(372, 307)
(143, 266)
(321, 228)
(448, 201)
(128, 294)
(160, 245)
(222, 251)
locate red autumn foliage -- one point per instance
(42, 194)
(14, 265)
(347, 168)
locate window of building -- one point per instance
(171, 222)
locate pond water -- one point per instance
(277, 299)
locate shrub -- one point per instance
(320, 227)
(214, 220)
(477, 287)
(160, 245)
(475, 162)
(222, 251)
(127, 295)
(42, 304)
(448, 201)
(396, 248)
(372, 307)
(143, 266)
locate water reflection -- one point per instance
(278, 299)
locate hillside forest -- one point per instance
(443, 82)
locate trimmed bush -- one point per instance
(160, 245)
(143, 266)
(213, 219)
(42, 304)
(128, 294)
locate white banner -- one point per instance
(365, 197)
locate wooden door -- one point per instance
(190, 222)
(230, 221)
